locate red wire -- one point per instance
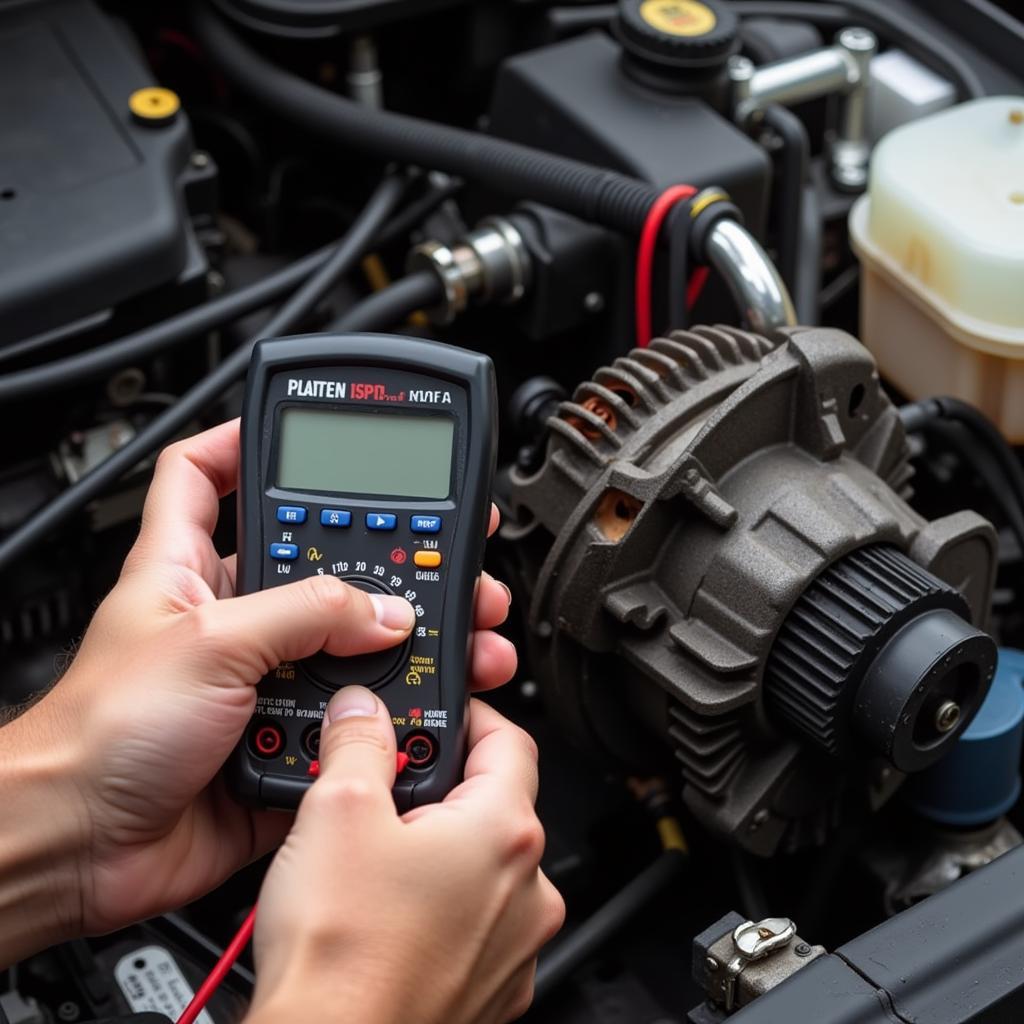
(645, 257)
(698, 279)
(220, 970)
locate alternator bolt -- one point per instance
(947, 716)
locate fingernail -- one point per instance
(352, 702)
(508, 593)
(393, 612)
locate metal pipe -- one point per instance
(850, 149)
(803, 77)
(841, 71)
(755, 284)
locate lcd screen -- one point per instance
(365, 453)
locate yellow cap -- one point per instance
(154, 105)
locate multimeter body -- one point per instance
(371, 458)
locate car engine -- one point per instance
(750, 275)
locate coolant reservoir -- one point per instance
(940, 236)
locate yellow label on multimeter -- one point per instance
(678, 17)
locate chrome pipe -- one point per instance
(756, 287)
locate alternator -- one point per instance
(721, 554)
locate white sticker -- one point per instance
(152, 982)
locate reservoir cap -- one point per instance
(683, 34)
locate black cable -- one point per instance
(73, 370)
(916, 415)
(401, 225)
(891, 26)
(158, 431)
(593, 193)
(843, 282)
(391, 305)
(977, 456)
(50, 339)
(811, 254)
(577, 947)
(795, 157)
(562, 22)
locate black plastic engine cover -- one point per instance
(91, 210)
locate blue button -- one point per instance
(336, 517)
(291, 514)
(380, 521)
(284, 552)
(425, 524)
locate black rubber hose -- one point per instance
(892, 27)
(577, 947)
(811, 256)
(982, 462)
(917, 415)
(355, 243)
(788, 193)
(71, 371)
(391, 305)
(562, 22)
(521, 172)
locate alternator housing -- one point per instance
(691, 493)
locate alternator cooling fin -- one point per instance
(710, 751)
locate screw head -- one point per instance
(947, 715)
(711, 963)
(857, 40)
(802, 949)
(741, 69)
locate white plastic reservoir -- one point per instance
(940, 235)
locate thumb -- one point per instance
(296, 620)
(357, 739)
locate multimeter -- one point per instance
(370, 458)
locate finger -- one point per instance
(182, 506)
(357, 747)
(495, 520)
(502, 760)
(494, 661)
(293, 621)
(493, 599)
(230, 563)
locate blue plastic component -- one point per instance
(336, 518)
(284, 552)
(381, 520)
(425, 524)
(291, 514)
(979, 779)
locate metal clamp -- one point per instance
(840, 70)
(489, 264)
(755, 941)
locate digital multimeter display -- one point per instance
(365, 453)
(368, 458)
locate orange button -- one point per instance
(427, 559)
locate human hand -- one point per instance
(435, 915)
(127, 748)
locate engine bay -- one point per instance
(749, 274)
